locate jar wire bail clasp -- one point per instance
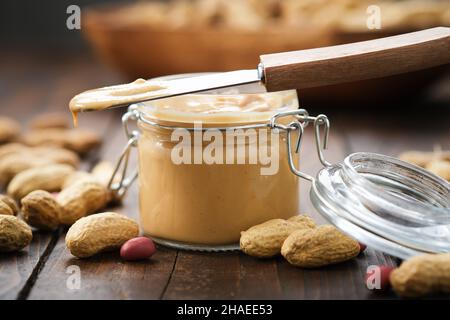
(301, 122)
(119, 181)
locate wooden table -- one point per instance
(29, 86)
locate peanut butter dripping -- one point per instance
(107, 97)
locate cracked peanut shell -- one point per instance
(100, 232)
(321, 246)
(41, 210)
(5, 209)
(14, 234)
(49, 178)
(10, 203)
(15, 162)
(422, 275)
(265, 240)
(80, 199)
(78, 140)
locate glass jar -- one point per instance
(388, 204)
(194, 197)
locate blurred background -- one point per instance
(152, 38)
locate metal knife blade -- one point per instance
(117, 96)
(207, 82)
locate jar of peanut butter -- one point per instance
(214, 164)
(210, 166)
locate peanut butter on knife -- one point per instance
(106, 97)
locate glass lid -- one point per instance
(388, 204)
(385, 203)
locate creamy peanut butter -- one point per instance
(220, 108)
(204, 202)
(210, 204)
(106, 97)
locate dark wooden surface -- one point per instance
(29, 86)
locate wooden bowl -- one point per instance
(143, 51)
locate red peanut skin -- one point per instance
(362, 247)
(385, 272)
(138, 248)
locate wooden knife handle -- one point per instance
(356, 61)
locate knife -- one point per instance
(325, 66)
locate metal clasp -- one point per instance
(119, 184)
(320, 120)
(303, 119)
